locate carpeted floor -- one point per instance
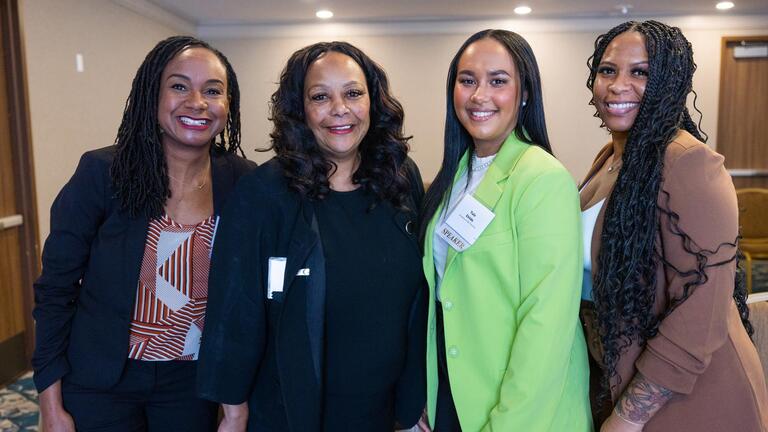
(18, 401)
(18, 406)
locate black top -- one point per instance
(271, 352)
(373, 274)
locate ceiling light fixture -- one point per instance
(522, 10)
(324, 14)
(624, 8)
(725, 5)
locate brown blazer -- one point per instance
(701, 351)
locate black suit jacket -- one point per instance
(270, 352)
(85, 294)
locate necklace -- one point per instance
(479, 164)
(196, 187)
(614, 165)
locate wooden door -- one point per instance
(742, 131)
(18, 218)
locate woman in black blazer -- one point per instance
(121, 299)
(317, 315)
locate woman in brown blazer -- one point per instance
(665, 320)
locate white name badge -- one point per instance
(275, 275)
(465, 223)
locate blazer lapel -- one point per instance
(135, 239)
(492, 185)
(222, 179)
(300, 331)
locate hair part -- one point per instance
(139, 171)
(530, 128)
(383, 149)
(625, 282)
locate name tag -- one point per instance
(276, 275)
(465, 223)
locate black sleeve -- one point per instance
(76, 215)
(417, 184)
(234, 335)
(412, 384)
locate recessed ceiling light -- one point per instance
(725, 5)
(522, 10)
(324, 14)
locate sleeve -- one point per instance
(411, 392)
(234, 335)
(698, 220)
(548, 226)
(76, 214)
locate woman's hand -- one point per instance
(423, 423)
(614, 423)
(55, 418)
(235, 418)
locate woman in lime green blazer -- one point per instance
(503, 256)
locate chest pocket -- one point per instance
(500, 240)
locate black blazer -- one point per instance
(270, 352)
(85, 294)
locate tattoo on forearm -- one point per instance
(642, 399)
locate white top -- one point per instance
(588, 220)
(439, 244)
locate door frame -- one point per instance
(24, 172)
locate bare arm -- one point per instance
(639, 402)
(235, 418)
(55, 418)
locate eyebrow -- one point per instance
(495, 72)
(184, 77)
(323, 86)
(644, 62)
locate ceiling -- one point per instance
(245, 12)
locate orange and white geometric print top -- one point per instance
(172, 293)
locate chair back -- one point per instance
(753, 213)
(758, 315)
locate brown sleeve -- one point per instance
(701, 193)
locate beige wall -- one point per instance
(417, 66)
(72, 112)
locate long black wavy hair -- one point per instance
(139, 171)
(625, 282)
(383, 150)
(530, 128)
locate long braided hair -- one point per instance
(625, 282)
(139, 171)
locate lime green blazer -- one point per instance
(516, 355)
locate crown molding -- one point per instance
(159, 15)
(590, 25)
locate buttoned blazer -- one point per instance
(85, 294)
(245, 330)
(515, 351)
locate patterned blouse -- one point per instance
(172, 293)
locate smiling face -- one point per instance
(486, 94)
(620, 81)
(337, 105)
(193, 103)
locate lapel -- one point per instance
(597, 231)
(222, 179)
(302, 318)
(492, 185)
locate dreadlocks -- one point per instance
(139, 171)
(625, 282)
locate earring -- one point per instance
(525, 103)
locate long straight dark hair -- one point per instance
(530, 128)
